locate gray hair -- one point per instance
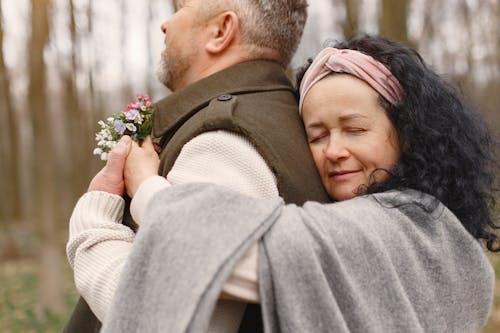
(274, 24)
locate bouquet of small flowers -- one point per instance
(135, 121)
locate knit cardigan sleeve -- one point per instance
(99, 244)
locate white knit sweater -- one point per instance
(99, 244)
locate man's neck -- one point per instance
(214, 64)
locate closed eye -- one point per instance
(355, 130)
(317, 138)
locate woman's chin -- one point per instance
(340, 193)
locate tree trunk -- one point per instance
(393, 20)
(149, 47)
(126, 93)
(428, 30)
(174, 5)
(77, 132)
(94, 104)
(351, 23)
(10, 209)
(50, 256)
(496, 83)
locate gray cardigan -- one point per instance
(390, 262)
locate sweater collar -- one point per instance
(246, 77)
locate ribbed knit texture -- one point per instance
(389, 262)
(95, 229)
(145, 191)
(99, 207)
(227, 159)
(99, 244)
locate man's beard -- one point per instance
(172, 72)
(163, 72)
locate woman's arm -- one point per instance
(242, 285)
(97, 249)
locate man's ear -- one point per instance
(224, 29)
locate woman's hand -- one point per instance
(142, 162)
(110, 178)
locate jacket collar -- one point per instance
(246, 77)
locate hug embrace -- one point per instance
(360, 199)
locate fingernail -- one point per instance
(122, 144)
(124, 141)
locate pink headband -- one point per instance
(356, 63)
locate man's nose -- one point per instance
(164, 27)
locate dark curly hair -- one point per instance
(447, 149)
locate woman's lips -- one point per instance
(342, 175)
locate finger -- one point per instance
(134, 148)
(135, 144)
(148, 144)
(118, 155)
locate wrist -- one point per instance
(105, 186)
(138, 180)
(148, 188)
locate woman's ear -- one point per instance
(224, 29)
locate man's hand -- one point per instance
(142, 162)
(110, 178)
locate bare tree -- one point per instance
(393, 20)
(50, 258)
(9, 147)
(496, 27)
(495, 84)
(484, 95)
(94, 97)
(127, 92)
(429, 8)
(77, 131)
(175, 5)
(351, 23)
(149, 47)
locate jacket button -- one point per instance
(224, 98)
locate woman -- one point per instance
(445, 149)
(395, 146)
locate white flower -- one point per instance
(100, 136)
(131, 127)
(139, 119)
(111, 144)
(110, 119)
(101, 123)
(104, 156)
(97, 151)
(105, 134)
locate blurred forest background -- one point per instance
(65, 64)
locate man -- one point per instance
(232, 119)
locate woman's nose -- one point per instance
(335, 150)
